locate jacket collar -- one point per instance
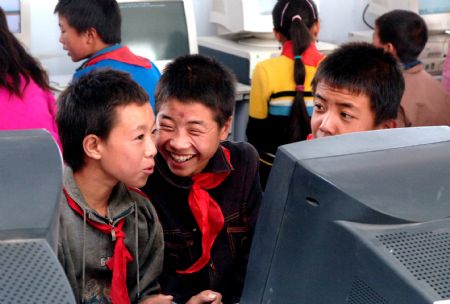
(414, 69)
(120, 205)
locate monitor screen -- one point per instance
(436, 14)
(358, 218)
(158, 30)
(427, 7)
(243, 18)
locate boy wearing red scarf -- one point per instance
(90, 29)
(205, 190)
(110, 241)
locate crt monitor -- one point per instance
(359, 218)
(18, 18)
(436, 13)
(159, 30)
(243, 18)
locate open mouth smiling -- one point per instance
(181, 158)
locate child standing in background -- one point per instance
(91, 29)
(280, 86)
(425, 101)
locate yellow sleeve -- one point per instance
(259, 93)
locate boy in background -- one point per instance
(425, 101)
(356, 88)
(205, 190)
(110, 241)
(91, 30)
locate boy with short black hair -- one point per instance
(110, 240)
(425, 101)
(206, 190)
(356, 88)
(91, 29)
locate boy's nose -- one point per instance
(327, 126)
(179, 141)
(150, 149)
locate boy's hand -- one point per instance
(157, 299)
(206, 296)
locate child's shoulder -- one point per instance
(243, 152)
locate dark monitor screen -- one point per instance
(359, 218)
(157, 30)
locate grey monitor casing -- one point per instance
(328, 204)
(30, 189)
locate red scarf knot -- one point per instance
(206, 211)
(121, 256)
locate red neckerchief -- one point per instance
(122, 54)
(121, 256)
(310, 56)
(206, 211)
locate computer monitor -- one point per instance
(18, 18)
(436, 13)
(243, 18)
(160, 30)
(359, 218)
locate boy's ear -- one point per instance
(315, 29)
(92, 34)
(389, 124)
(91, 146)
(389, 47)
(225, 131)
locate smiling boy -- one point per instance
(206, 190)
(110, 241)
(356, 88)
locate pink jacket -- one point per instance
(34, 110)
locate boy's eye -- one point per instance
(140, 137)
(318, 107)
(195, 132)
(346, 116)
(154, 131)
(164, 127)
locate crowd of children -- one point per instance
(157, 206)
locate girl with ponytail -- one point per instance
(281, 86)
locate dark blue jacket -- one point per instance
(239, 197)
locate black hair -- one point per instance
(361, 68)
(88, 107)
(406, 31)
(294, 19)
(102, 15)
(16, 62)
(197, 78)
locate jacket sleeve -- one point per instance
(151, 266)
(258, 125)
(252, 199)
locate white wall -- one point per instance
(44, 38)
(337, 18)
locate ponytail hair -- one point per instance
(294, 19)
(16, 62)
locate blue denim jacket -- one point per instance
(239, 196)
